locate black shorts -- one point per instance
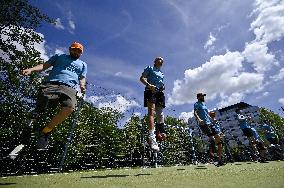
(158, 98)
(53, 93)
(272, 140)
(207, 130)
(214, 131)
(247, 132)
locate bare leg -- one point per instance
(58, 118)
(151, 111)
(220, 146)
(152, 136)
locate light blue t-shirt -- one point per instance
(269, 131)
(255, 134)
(66, 70)
(243, 121)
(202, 112)
(217, 126)
(154, 76)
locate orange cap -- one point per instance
(77, 45)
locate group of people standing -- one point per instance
(212, 128)
(68, 72)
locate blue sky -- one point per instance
(232, 50)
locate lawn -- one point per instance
(239, 175)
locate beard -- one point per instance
(74, 56)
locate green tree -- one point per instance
(18, 22)
(276, 121)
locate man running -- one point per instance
(154, 100)
(216, 130)
(246, 129)
(259, 144)
(205, 123)
(67, 72)
(269, 133)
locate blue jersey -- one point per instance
(66, 70)
(216, 125)
(154, 76)
(243, 121)
(202, 112)
(269, 131)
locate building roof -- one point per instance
(238, 105)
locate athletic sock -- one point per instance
(46, 130)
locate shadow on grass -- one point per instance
(108, 176)
(201, 168)
(7, 184)
(143, 175)
(116, 176)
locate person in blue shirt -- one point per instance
(270, 134)
(259, 143)
(244, 123)
(67, 73)
(205, 123)
(216, 130)
(154, 100)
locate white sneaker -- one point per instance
(153, 143)
(16, 151)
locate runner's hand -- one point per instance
(83, 89)
(26, 72)
(152, 87)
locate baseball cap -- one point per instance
(159, 58)
(200, 94)
(77, 45)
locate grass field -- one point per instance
(237, 175)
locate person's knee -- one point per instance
(160, 115)
(151, 109)
(217, 139)
(68, 109)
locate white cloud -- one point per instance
(94, 99)
(222, 75)
(269, 24)
(186, 115)
(116, 102)
(71, 24)
(225, 75)
(118, 74)
(265, 94)
(230, 100)
(210, 41)
(40, 47)
(257, 54)
(278, 76)
(59, 51)
(281, 101)
(58, 24)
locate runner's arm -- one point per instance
(199, 120)
(143, 79)
(83, 84)
(37, 68)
